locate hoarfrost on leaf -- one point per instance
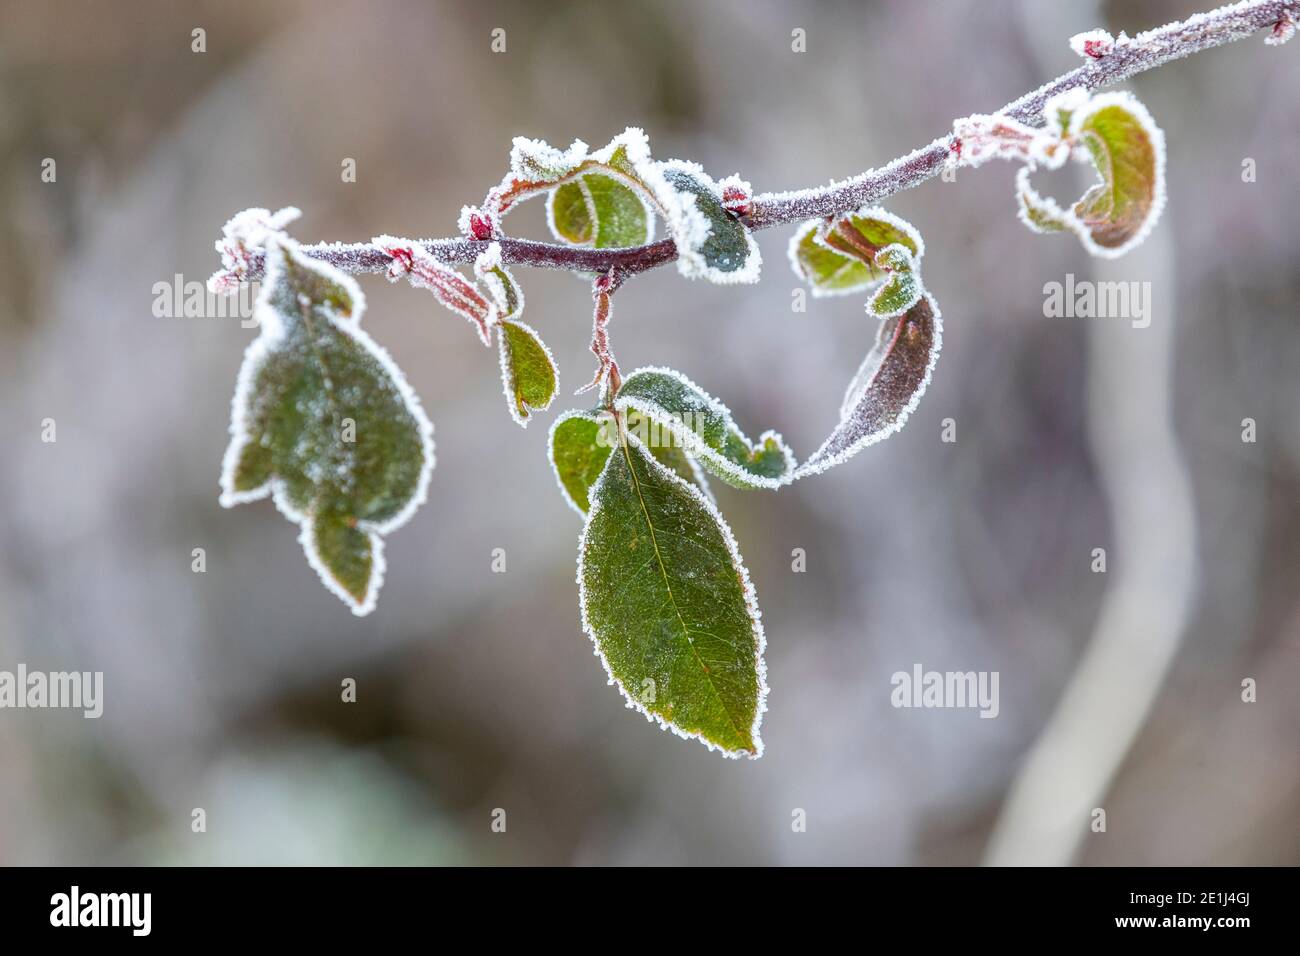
(678, 413)
(311, 369)
(887, 387)
(668, 604)
(449, 287)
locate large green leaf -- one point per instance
(668, 603)
(679, 413)
(887, 387)
(324, 421)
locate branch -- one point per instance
(1124, 60)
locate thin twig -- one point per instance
(1144, 52)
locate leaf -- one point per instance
(528, 372)
(1114, 132)
(669, 453)
(887, 387)
(600, 211)
(667, 601)
(902, 289)
(1039, 213)
(325, 423)
(689, 417)
(843, 254)
(580, 443)
(711, 242)
(1128, 150)
(412, 261)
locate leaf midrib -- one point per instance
(663, 572)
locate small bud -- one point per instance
(1093, 44)
(737, 196)
(1283, 30)
(477, 224)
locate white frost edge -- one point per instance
(271, 332)
(418, 252)
(913, 269)
(1026, 193)
(819, 225)
(812, 466)
(487, 260)
(1128, 101)
(694, 444)
(651, 216)
(689, 227)
(751, 606)
(503, 353)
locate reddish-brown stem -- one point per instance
(1144, 52)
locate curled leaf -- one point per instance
(1040, 213)
(448, 286)
(325, 423)
(676, 412)
(1128, 151)
(667, 601)
(859, 251)
(887, 387)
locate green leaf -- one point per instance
(570, 216)
(668, 451)
(887, 387)
(1040, 213)
(324, 422)
(1128, 150)
(580, 444)
(903, 287)
(843, 254)
(599, 210)
(668, 603)
(711, 242)
(690, 418)
(528, 372)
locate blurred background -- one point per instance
(477, 690)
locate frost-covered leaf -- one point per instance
(887, 387)
(903, 287)
(580, 443)
(600, 211)
(680, 413)
(1128, 150)
(668, 452)
(1111, 130)
(528, 371)
(668, 603)
(325, 423)
(711, 241)
(842, 254)
(608, 198)
(449, 287)
(1040, 213)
